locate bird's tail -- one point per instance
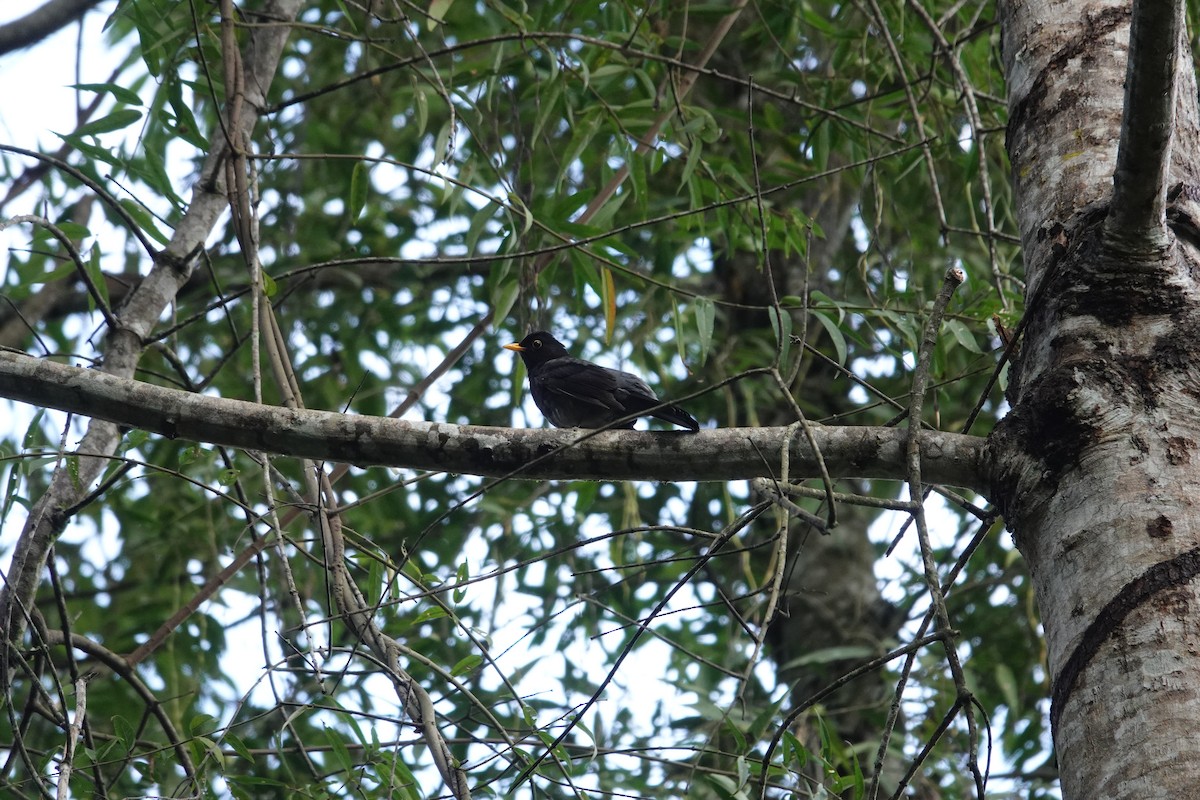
(677, 416)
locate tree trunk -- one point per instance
(1094, 465)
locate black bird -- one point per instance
(573, 393)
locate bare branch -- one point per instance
(721, 454)
(1137, 216)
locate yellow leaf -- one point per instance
(610, 306)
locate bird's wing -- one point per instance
(580, 380)
(631, 386)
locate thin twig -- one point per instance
(914, 109)
(93, 291)
(976, 124)
(954, 278)
(68, 757)
(909, 649)
(728, 533)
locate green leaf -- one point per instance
(835, 335)
(360, 181)
(238, 746)
(441, 145)
(341, 753)
(90, 149)
(185, 126)
(189, 454)
(467, 664)
(963, 336)
(118, 92)
(10, 493)
(677, 318)
(437, 13)
(124, 733)
(609, 71)
(829, 655)
(583, 132)
(63, 271)
(584, 274)
(479, 222)
(34, 432)
(547, 108)
(781, 324)
(637, 177)
(726, 787)
(743, 772)
(421, 101)
(463, 575)
(793, 751)
(429, 614)
(738, 737)
(818, 299)
(202, 723)
(521, 212)
(503, 300)
(73, 230)
(113, 122)
(706, 314)
(144, 220)
(603, 217)
(98, 279)
(690, 164)
(211, 749)
(1007, 682)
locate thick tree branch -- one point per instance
(41, 22)
(1137, 216)
(721, 454)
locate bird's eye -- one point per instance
(537, 342)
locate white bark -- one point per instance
(1064, 62)
(1095, 469)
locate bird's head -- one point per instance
(538, 348)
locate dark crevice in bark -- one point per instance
(1173, 356)
(1050, 429)
(1162, 576)
(1042, 303)
(1091, 280)
(1049, 435)
(1183, 216)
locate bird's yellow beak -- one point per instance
(515, 347)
